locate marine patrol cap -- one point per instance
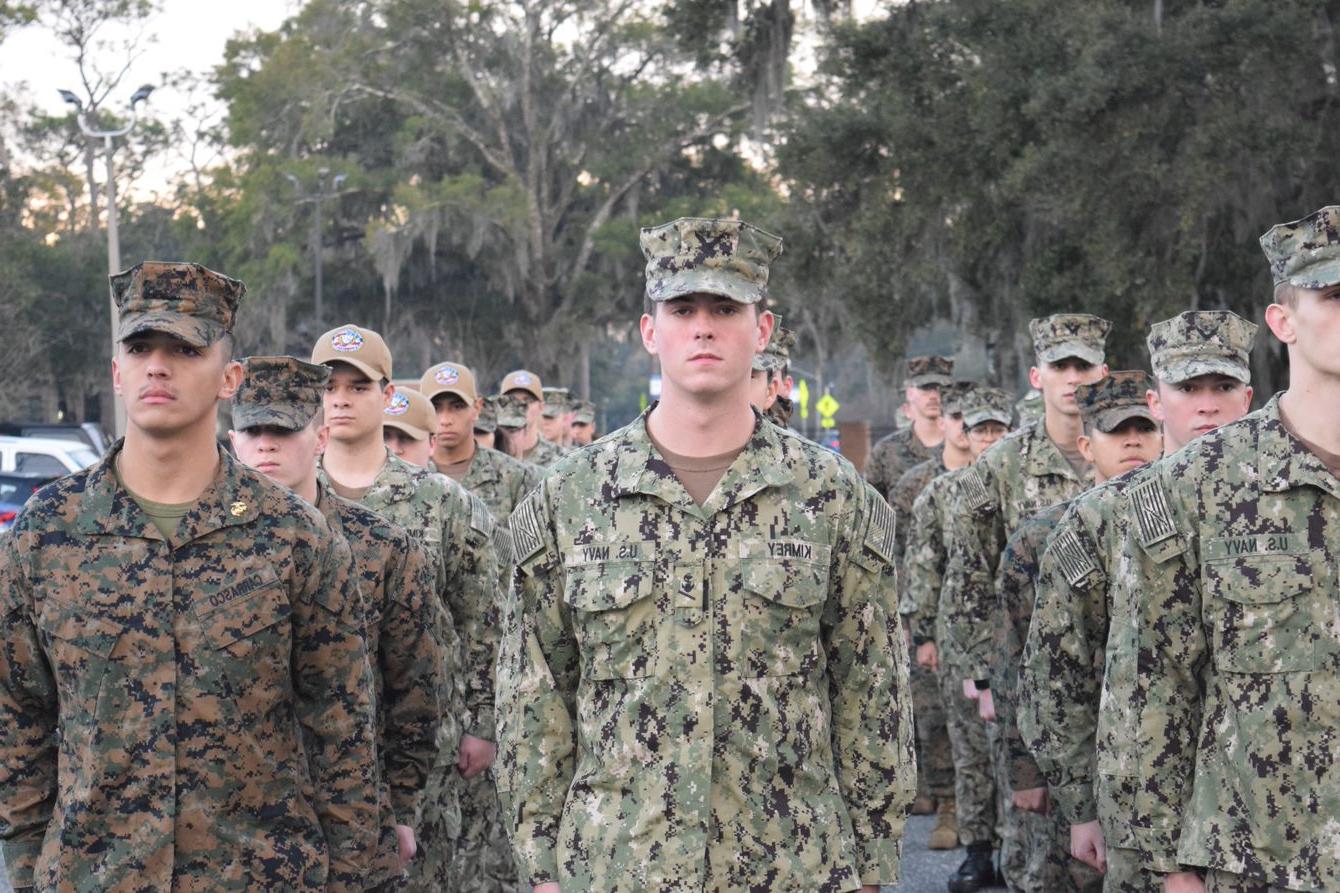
(985, 404)
(361, 348)
(776, 355)
(523, 380)
(1109, 402)
(488, 415)
(953, 395)
(1201, 342)
(449, 378)
(410, 411)
(1064, 335)
(926, 372)
(556, 402)
(584, 413)
(1305, 253)
(714, 256)
(280, 391)
(511, 411)
(184, 300)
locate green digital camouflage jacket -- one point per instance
(501, 481)
(544, 454)
(1065, 654)
(1230, 580)
(1016, 478)
(1015, 592)
(188, 717)
(894, 454)
(926, 564)
(397, 578)
(903, 495)
(705, 698)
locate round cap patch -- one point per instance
(522, 378)
(399, 404)
(346, 340)
(446, 375)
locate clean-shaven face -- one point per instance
(706, 343)
(354, 404)
(286, 457)
(168, 385)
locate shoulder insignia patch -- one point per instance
(1151, 512)
(1075, 561)
(974, 490)
(502, 545)
(480, 518)
(879, 533)
(524, 529)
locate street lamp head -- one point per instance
(71, 99)
(339, 179)
(140, 95)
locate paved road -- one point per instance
(924, 870)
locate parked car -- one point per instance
(86, 432)
(44, 455)
(14, 492)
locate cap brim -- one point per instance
(372, 374)
(708, 282)
(289, 417)
(1176, 373)
(1322, 274)
(1067, 349)
(448, 389)
(486, 427)
(412, 430)
(931, 378)
(1110, 419)
(533, 390)
(193, 330)
(989, 415)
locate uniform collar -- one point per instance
(642, 469)
(396, 482)
(325, 502)
(1283, 461)
(231, 499)
(483, 470)
(1042, 457)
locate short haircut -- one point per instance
(1286, 294)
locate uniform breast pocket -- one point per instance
(1269, 612)
(615, 618)
(776, 617)
(248, 621)
(82, 647)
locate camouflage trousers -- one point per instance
(974, 786)
(438, 829)
(1126, 873)
(483, 862)
(1029, 856)
(1227, 882)
(935, 758)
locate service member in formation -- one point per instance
(486, 425)
(1201, 370)
(1120, 436)
(526, 441)
(407, 426)
(501, 481)
(280, 431)
(458, 529)
(583, 423)
(935, 759)
(769, 374)
(1037, 466)
(555, 416)
(896, 452)
(707, 686)
(978, 810)
(185, 696)
(1231, 553)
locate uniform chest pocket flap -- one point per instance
(234, 618)
(615, 618)
(82, 646)
(1269, 612)
(775, 617)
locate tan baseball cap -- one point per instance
(449, 378)
(361, 348)
(523, 380)
(411, 412)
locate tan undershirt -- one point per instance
(353, 494)
(1075, 458)
(165, 515)
(1329, 459)
(699, 474)
(456, 470)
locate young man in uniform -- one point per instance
(769, 378)
(1230, 557)
(1037, 466)
(458, 529)
(935, 759)
(528, 444)
(555, 416)
(185, 696)
(583, 423)
(407, 428)
(1120, 436)
(280, 432)
(705, 687)
(900, 450)
(1200, 361)
(501, 481)
(977, 811)
(486, 425)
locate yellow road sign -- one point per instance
(803, 398)
(827, 406)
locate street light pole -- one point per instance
(317, 197)
(113, 232)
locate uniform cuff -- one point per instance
(20, 857)
(879, 859)
(1159, 849)
(1025, 774)
(1076, 802)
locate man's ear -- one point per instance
(1155, 404)
(1035, 377)
(322, 440)
(647, 326)
(766, 323)
(1085, 446)
(232, 379)
(1279, 317)
(387, 393)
